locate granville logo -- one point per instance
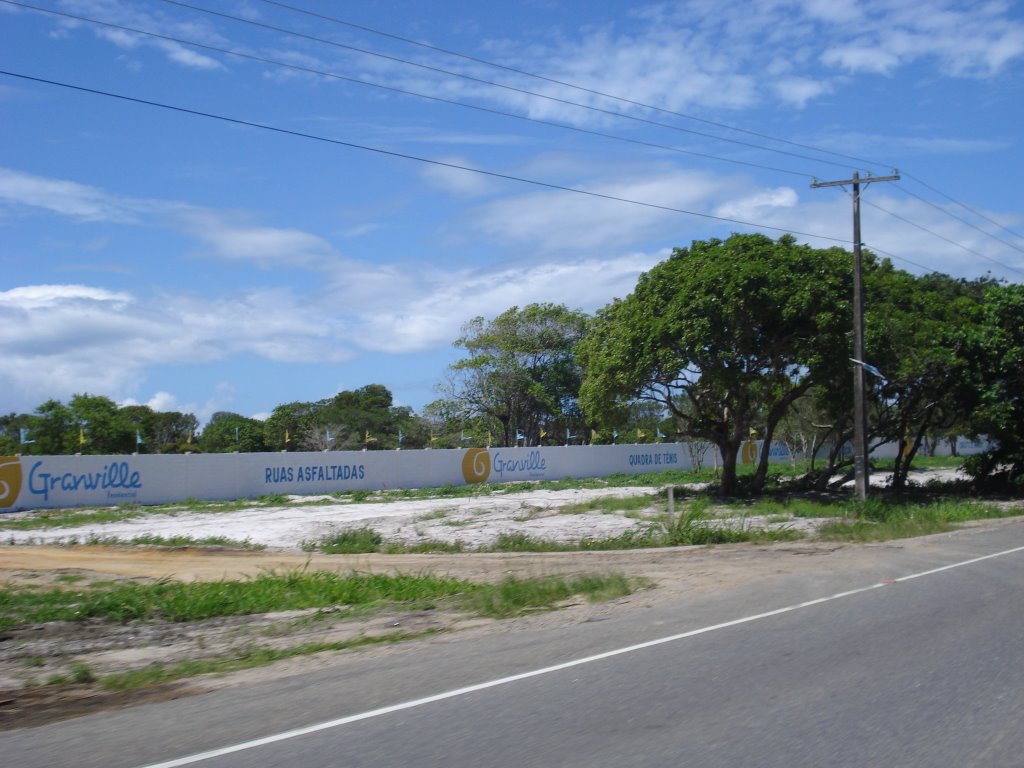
(10, 480)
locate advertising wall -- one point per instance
(39, 482)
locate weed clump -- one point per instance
(355, 541)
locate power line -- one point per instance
(943, 237)
(405, 156)
(489, 110)
(563, 83)
(644, 105)
(939, 208)
(567, 102)
(930, 231)
(963, 205)
(401, 91)
(875, 249)
(333, 75)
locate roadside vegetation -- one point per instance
(174, 601)
(310, 597)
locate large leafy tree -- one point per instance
(919, 332)
(11, 435)
(171, 432)
(520, 375)
(725, 335)
(99, 426)
(227, 432)
(364, 418)
(998, 372)
(284, 427)
(53, 429)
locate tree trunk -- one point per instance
(729, 451)
(771, 422)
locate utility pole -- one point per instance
(861, 467)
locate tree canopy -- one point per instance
(725, 335)
(520, 379)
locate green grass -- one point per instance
(523, 542)
(194, 601)
(879, 520)
(693, 526)
(424, 547)
(182, 602)
(153, 540)
(611, 504)
(795, 507)
(514, 596)
(921, 462)
(354, 541)
(511, 597)
(437, 514)
(69, 518)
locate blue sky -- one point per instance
(195, 264)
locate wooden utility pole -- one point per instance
(861, 467)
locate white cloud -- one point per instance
(929, 143)
(454, 180)
(31, 297)
(555, 222)
(188, 57)
(694, 55)
(759, 205)
(800, 90)
(228, 235)
(963, 39)
(131, 15)
(67, 198)
(232, 236)
(428, 312)
(861, 58)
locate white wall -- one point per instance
(36, 482)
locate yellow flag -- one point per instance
(287, 439)
(368, 439)
(81, 435)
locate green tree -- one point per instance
(11, 427)
(103, 428)
(141, 419)
(725, 335)
(54, 430)
(282, 431)
(227, 432)
(998, 372)
(172, 432)
(520, 375)
(918, 332)
(367, 418)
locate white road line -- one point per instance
(296, 732)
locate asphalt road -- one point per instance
(891, 663)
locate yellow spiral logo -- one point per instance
(10, 480)
(476, 465)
